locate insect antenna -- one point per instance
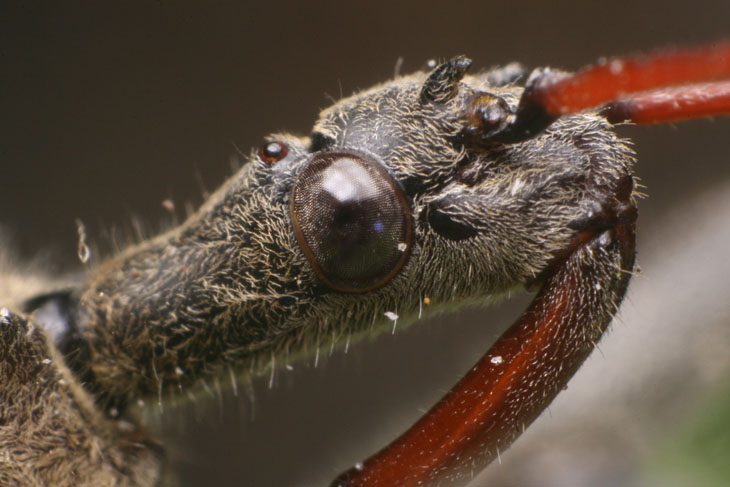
(663, 81)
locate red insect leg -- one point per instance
(519, 376)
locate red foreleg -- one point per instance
(518, 377)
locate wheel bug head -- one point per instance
(473, 200)
(318, 237)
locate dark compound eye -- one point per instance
(352, 220)
(272, 152)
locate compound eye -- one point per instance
(352, 220)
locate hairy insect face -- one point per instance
(316, 238)
(506, 210)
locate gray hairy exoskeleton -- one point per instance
(255, 273)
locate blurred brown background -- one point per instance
(106, 111)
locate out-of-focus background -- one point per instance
(107, 111)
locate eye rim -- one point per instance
(267, 154)
(400, 194)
